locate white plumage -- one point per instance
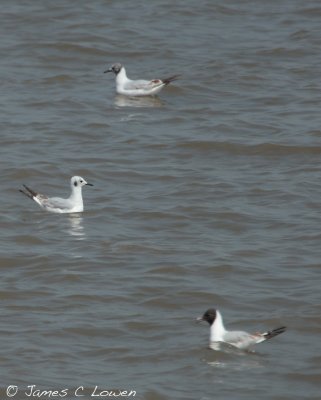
(74, 203)
(240, 339)
(140, 87)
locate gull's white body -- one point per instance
(140, 87)
(240, 339)
(73, 204)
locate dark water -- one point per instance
(207, 196)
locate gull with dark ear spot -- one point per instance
(240, 339)
(140, 87)
(73, 204)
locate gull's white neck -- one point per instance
(217, 329)
(121, 77)
(76, 195)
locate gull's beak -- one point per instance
(199, 319)
(108, 70)
(89, 184)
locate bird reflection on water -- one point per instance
(139, 102)
(76, 226)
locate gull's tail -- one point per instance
(29, 192)
(274, 332)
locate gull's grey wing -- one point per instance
(56, 202)
(240, 339)
(140, 84)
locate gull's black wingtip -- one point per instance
(275, 332)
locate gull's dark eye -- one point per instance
(81, 181)
(116, 68)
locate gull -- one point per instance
(140, 87)
(240, 339)
(73, 204)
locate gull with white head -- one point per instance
(140, 87)
(240, 339)
(73, 204)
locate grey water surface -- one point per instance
(205, 196)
